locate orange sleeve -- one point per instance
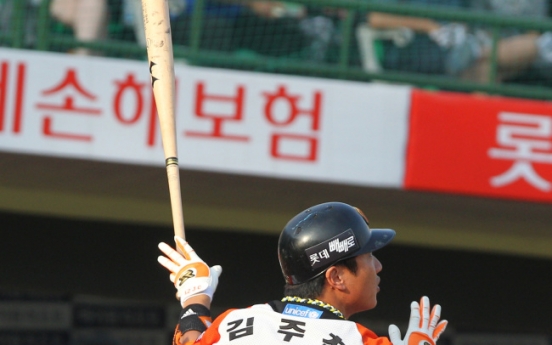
(370, 338)
(177, 336)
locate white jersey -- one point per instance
(279, 323)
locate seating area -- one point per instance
(333, 40)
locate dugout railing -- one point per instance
(50, 36)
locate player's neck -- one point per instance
(333, 298)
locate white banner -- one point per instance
(227, 121)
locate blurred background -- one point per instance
(79, 233)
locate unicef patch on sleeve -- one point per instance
(301, 311)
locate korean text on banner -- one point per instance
(232, 122)
(480, 145)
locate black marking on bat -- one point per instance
(153, 79)
(171, 161)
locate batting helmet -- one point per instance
(323, 235)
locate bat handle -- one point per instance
(173, 176)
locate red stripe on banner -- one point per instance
(3, 93)
(480, 145)
(18, 116)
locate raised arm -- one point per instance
(195, 283)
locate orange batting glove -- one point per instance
(190, 275)
(424, 327)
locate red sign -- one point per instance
(480, 145)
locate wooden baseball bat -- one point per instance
(157, 28)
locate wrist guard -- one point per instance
(195, 317)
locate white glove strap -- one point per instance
(193, 287)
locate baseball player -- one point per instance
(326, 256)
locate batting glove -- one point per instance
(423, 327)
(190, 275)
(449, 35)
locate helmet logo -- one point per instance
(332, 250)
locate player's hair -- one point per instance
(313, 288)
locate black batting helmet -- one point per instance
(323, 235)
